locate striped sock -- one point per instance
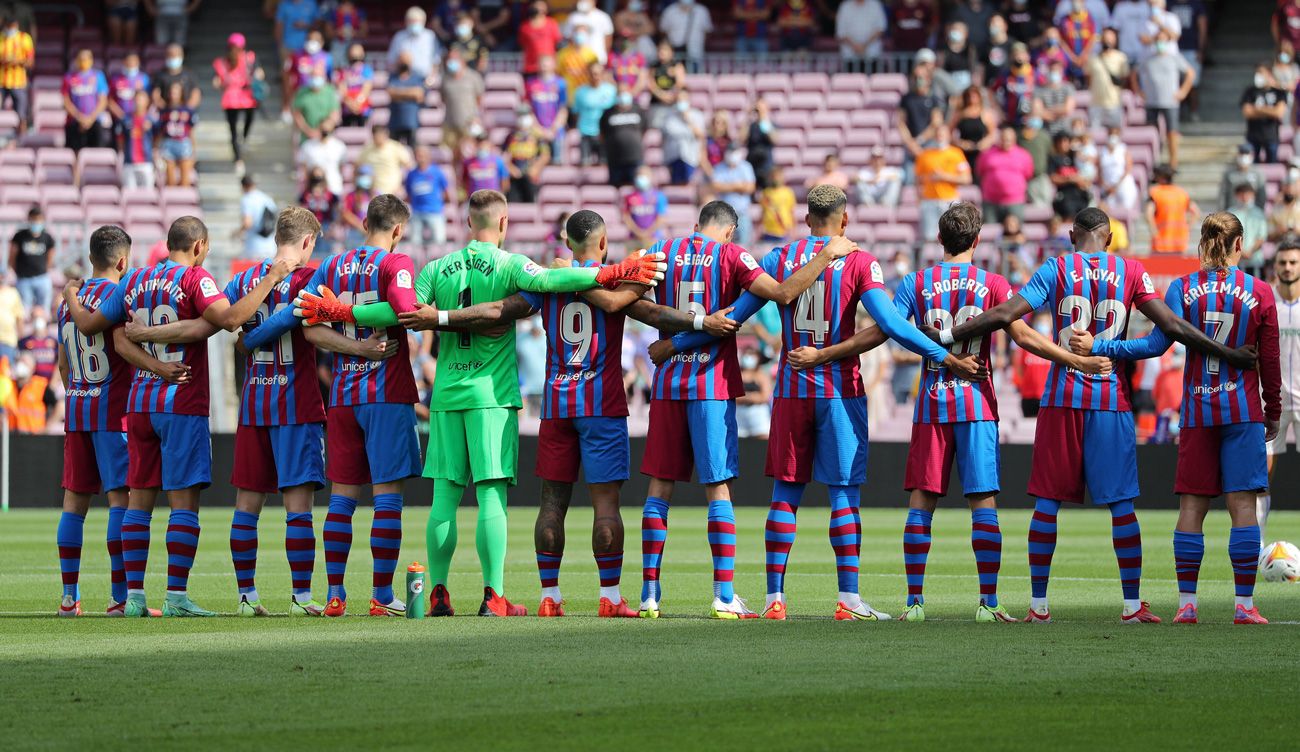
(117, 569)
(778, 534)
(986, 542)
(654, 534)
(386, 544)
(610, 569)
(916, 549)
(337, 535)
(846, 535)
(1243, 549)
(243, 551)
(182, 544)
(68, 537)
(1126, 536)
(1189, 550)
(722, 544)
(1042, 545)
(135, 547)
(548, 571)
(300, 550)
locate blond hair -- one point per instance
(294, 224)
(1220, 233)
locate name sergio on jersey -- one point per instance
(154, 285)
(478, 264)
(693, 259)
(955, 285)
(1214, 287)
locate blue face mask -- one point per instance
(37, 228)
(364, 182)
(174, 63)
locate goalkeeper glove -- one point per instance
(322, 309)
(639, 268)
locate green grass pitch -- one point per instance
(1085, 682)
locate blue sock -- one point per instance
(778, 534)
(386, 544)
(337, 535)
(1189, 550)
(1126, 537)
(1042, 545)
(243, 550)
(1243, 549)
(654, 534)
(135, 547)
(300, 550)
(916, 549)
(182, 544)
(548, 568)
(722, 544)
(846, 535)
(986, 542)
(68, 537)
(117, 569)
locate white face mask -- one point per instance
(525, 122)
(1243, 161)
(1055, 77)
(683, 105)
(585, 6)
(174, 63)
(415, 27)
(1260, 81)
(749, 362)
(312, 47)
(642, 183)
(1114, 141)
(464, 30)
(733, 158)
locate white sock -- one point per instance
(852, 600)
(1263, 503)
(1038, 605)
(612, 593)
(551, 592)
(302, 599)
(1131, 605)
(1247, 602)
(774, 598)
(251, 595)
(133, 591)
(1186, 598)
(175, 594)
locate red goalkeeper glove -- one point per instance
(639, 268)
(322, 309)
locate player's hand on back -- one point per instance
(376, 347)
(1243, 358)
(423, 318)
(661, 351)
(73, 287)
(1081, 342)
(966, 367)
(805, 357)
(135, 331)
(717, 324)
(839, 247)
(321, 309)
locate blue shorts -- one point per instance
(177, 149)
(700, 434)
(1075, 448)
(934, 446)
(1214, 460)
(374, 443)
(269, 458)
(818, 439)
(94, 460)
(598, 443)
(183, 439)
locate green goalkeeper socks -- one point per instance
(440, 534)
(491, 536)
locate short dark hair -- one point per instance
(482, 203)
(1091, 219)
(718, 214)
(108, 244)
(959, 227)
(825, 201)
(582, 225)
(1289, 242)
(385, 212)
(185, 232)
(34, 211)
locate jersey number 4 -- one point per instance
(810, 313)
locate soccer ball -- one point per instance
(1280, 562)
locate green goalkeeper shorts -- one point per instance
(476, 445)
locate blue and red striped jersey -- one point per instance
(160, 294)
(1092, 292)
(825, 314)
(945, 296)
(98, 383)
(584, 356)
(280, 386)
(371, 275)
(703, 276)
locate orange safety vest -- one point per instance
(27, 414)
(1171, 231)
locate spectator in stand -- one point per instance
(1072, 184)
(1108, 74)
(977, 16)
(860, 27)
(40, 347)
(233, 76)
(174, 71)
(548, 96)
(176, 126)
(1253, 221)
(31, 256)
(644, 210)
(388, 159)
(879, 183)
(1286, 23)
(717, 141)
(539, 37)
(293, 21)
(941, 169)
(485, 170)
(912, 25)
(315, 106)
(752, 18)
(318, 199)
(123, 18)
(1160, 21)
(1128, 19)
(1030, 371)
(419, 43)
(1014, 91)
(85, 99)
(137, 132)
(1170, 213)
(1004, 172)
(1195, 24)
(599, 26)
(574, 62)
(997, 54)
(622, 131)
(352, 210)
(1054, 101)
(17, 56)
(796, 23)
(759, 141)
(919, 116)
(527, 154)
(667, 81)
(1285, 69)
(974, 125)
(734, 183)
(171, 19)
(462, 92)
(1116, 186)
(343, 25)
(1025, 24)
(496, 22)
(473, 49)
(1079, 31)
(1285, 218)
(123, 87)
(941, 81)
(632, 21)
(1263, 105)
(628, 66)
(355, 81)
(831, 174)
(1243, 172)
(1035, 140)
(685, 24)
(778, 202)
(429, 192)
(957, 57)
(1052, 52)
(324, 153)
(12, 316)
(311, 62)
(406, 93)
(683, 138)
(589, 105)
(1164, 79)
(754, 407)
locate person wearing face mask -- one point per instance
(1054, 101)
(941, 169)
(17, 57)
(760, 139)
(912, 24)
(1263, 105)
(1116, 186)
(390, 160)
(957, 57)
(685, 24)
(312, 62)
(1030, 370)
(1014, 89)
(324, 153)
(1194, 21)
(590, 102)
(176, 124)
(1097, 9)
(632, 21)
(796, 22)
(548, 95)
(1286, 23)
(527, 154)
(539, 36)
(352, 210)
(1079, 38)
(462, 90)
(997, 51)
(429, 192)
(85, 98)
(1129, 19)
(1108, 74)
(1242, 171)
(1034, 139)
(599, 27)
(293, 21)
(683, 139)
(323, 203)
(752, 17)
(343, 26)
(628, 66)
(667, 79)
(1285, 217)
(315, 106)
(31, 256)
(644, 211)
(355, 82)
(485, 170)
(860, 27)
(174, 71)
(734, 183)
(754, 407)
(575, 63)
(419, 43)
(473, 49)
(171, 19)
(406, 94)
(622, 130)
(1160, 22)
(1170, 212)
(1254, 223)
(1164, 80)
(233, 76)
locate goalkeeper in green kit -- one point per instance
(473, 425)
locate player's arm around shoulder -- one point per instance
(787, 291)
